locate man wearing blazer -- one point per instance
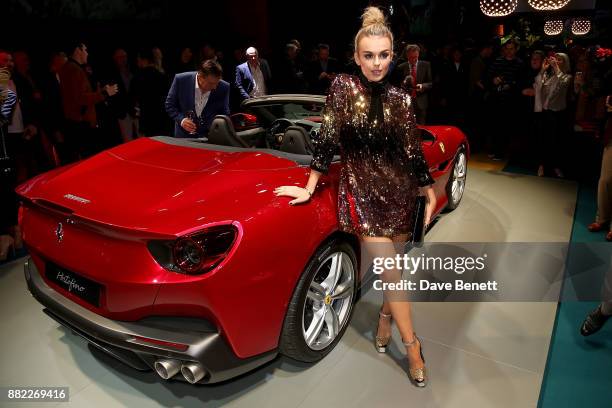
(195, 98)
(417, 79)
(253, 77)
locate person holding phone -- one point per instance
(551, 86)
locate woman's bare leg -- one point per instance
(399, 308)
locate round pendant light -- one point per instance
(581, 26)
(547, 4)
(498, 8)
(553, 27)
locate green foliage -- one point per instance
(522, 34)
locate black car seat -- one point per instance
(297, 141)
(222, 133)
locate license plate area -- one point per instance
(76, 284)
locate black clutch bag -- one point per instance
(418, 227)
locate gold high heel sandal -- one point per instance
(381, 343)
(417, 375)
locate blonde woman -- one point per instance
(382, 169)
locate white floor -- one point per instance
(477, 354)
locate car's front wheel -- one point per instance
(456, 182)
(322, 303)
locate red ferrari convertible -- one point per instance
(175, 255)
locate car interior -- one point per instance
(281, 129)
(283, 135)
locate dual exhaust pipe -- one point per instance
(168, 368)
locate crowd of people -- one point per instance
(506, 104)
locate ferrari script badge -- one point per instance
(77, 198)
(59, 232)
(441, 146)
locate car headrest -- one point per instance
(222, 133)
(296, 141)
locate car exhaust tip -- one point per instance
(193, 372)
(167, 368)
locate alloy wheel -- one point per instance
(329, 301)
(458, 178)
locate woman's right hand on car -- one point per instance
(300, 194)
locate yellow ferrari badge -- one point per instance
(441, 146)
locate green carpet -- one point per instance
(578, 368)
(578, 371)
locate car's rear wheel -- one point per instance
(456, 182)
(322, 303)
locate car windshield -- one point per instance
(288, 110)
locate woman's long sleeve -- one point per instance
(327, 141)
(413, 147)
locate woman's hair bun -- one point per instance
(373, 24)
(372, 16)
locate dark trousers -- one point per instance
(80, 141)
(8, 182)
(28, 155)
(552, 138)
(420, 115)
(477, 122)
(8, 198)
(535, 127)
(503, 114)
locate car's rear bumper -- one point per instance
(124, 340)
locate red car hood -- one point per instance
(161, 188)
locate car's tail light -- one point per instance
(188, 255)
(196, 253)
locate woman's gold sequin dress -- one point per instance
(382, 162)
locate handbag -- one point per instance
(418, 227)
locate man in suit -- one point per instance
(322, 71)
(195, 98)
(121, 107)
(253, 77)
(417, 79)
(149, 90)
(454, 84)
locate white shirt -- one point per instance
(200, 98)
(260, 85)
(16, 122)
